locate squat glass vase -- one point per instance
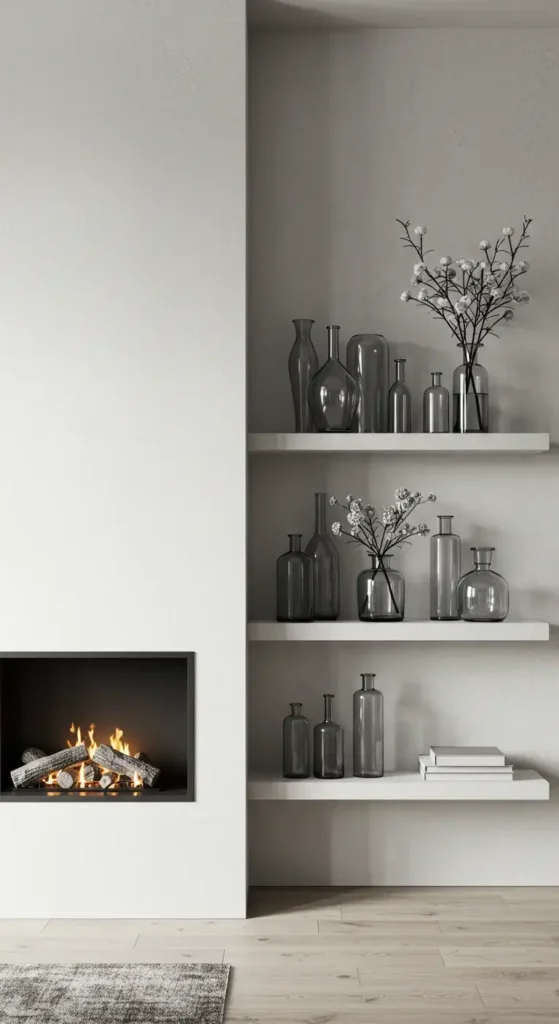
(470, 396)
(326, 566)
(328, 745)
(303, 364)
(333, 391)
(483, 595)
(381, 592)
(294, 583)
(296, 745)
(368, 729)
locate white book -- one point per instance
(468, 777)
(480, 757)
(427, 766)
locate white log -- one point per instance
(32, 754)
(66, 778)
(123, 764)
(34, 771)
(91, 773)
(107, 780)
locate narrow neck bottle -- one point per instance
(295, 542)
(328, 698)
(320, 512)
(482, 557)
(436, 380)
(296, 710)
(368, 680)
(445, 524)
(303, 329)
(333, 341)
(400, 365)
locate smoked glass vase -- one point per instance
(436, 404)
(483, 595)
(381, 592)
(326, 567)
(445, 555)
(296, 745)
(303, 364)
(328, 745)
(294, 584)
(367, 362)
(470, 397)
(368, 730)
(333, 391)
(399, 402)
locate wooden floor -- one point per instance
(400, 956)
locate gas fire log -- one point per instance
(66, 778)
(123, 764)
(107, 780)
(36, 770)
(32, 754)
(91, 773)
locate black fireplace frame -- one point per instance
(185, 795)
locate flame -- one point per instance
(116, 742)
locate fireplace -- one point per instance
(97, 726)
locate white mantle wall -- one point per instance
(122, 417)
(456, 130)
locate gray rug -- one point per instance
(113, 993)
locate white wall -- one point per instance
(122, 416)
(456, 130)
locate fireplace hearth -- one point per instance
(59, 737)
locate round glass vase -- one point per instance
(483, 595)
(333, 391)
(381, 592)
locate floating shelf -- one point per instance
(374, 632)
(527, 785)
(394, 444)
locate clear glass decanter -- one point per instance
(326, 566)
(328, 745)
(333, 391)
(483, 595)
(294, 584)
(470, 396)
(445, 558)
(296, 745)
(399, 402)
(381, 592)
(303, 364)
(368, 729)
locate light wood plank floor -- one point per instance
(331, 956)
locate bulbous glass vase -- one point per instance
(333, 392)
(381, 592)
(483, 595)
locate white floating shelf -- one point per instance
(428, 444)
(527, 785)
(374, 632)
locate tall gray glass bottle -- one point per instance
(326, 566)
(328, 745)
(294, 583)
(367, 362)
(333, 391)
(303, 364)
(296, 745)
(445, 571)
(368, 729)
(399, 402)
(436, 407)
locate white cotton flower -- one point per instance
(466, 300)
(459, 309)
(419, 267)
(508, 315)
(483, 265)
(467, 265)
(523, 266)
(405, 296)
(443, 303)
(333, 501)
(524, 296)
(402, 493)
(336, 529)
(497, 293)
(389, 515)
(503, 266)
(420, 230)
(509, 232)
(485, 244)
(423, 529)
(355, 518)
(452, 320)
(445, 261)
(355, 505)
(431, 497)
(423, 294)
(349, 498)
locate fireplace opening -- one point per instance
(99, 726)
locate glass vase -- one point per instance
(326, 567)
(294, 583)
(368, 730)
(445, 557)
(328, 745)
(483, 595)
(399, 402)
(436, 404)
(470, 396)
(303, 364)
(381, 592)
(333, 391)
(367, 362)
(296, 745)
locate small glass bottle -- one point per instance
(326, 566)
(445, 551)
(333, 391)
(368, 730)
(328, 745)
(294, 583)
(436, 403)
(296, 745)
(303, 364)
(483, 595)
(381, 592)
(399, 402)
(470, 396)
(367, 361)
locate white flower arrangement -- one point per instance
(473, 297)
(380, 533)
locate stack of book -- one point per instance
(465, 764)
